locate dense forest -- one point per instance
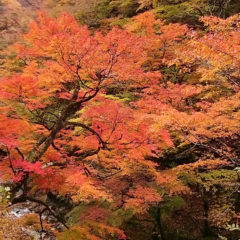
(120, 119)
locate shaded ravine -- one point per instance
(22, 220)
(24, 210)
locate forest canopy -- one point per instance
(120, 119)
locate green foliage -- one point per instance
(103, 9)
(81, 17)
(10, 65)
(218, 178)
(106, 12)
(173, 74)
(75, 233)
(189, 11)
(119, 217)
(111, 8)
(183, 13)
(212, 180)
(119, 22)
(73, 216)
(126, 8)
(189, 178)
(4, 195)
(171, 204)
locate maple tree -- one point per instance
(59, 129)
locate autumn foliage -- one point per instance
(90, 116)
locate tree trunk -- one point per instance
(159, 232)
